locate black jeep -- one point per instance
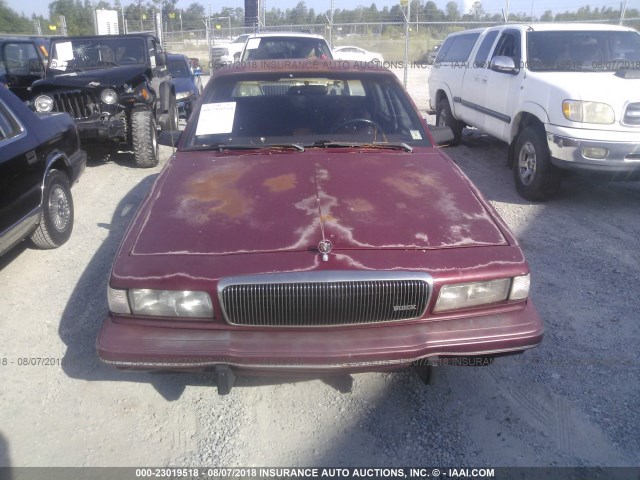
(116, 87)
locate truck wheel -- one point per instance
(145, 141)
(535, 176)
(444, 118)
(56, 222)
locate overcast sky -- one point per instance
(490, 6)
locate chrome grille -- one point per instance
(632, 114)
(324, 298)
(76, 103)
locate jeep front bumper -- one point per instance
(101, 129)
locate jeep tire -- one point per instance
(536, 178)
(444, 118)
(144, 136)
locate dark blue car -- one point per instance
(186, 82)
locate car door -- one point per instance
(21, 168)
(23, 64)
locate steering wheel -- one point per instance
(355, 121)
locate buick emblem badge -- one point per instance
(324, 247)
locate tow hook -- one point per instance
(225, 378)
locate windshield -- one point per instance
(583, 51)
(72, 55)
(269, 48)
(179, 69)
(306, 110)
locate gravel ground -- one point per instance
(571, 402)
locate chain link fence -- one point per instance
(410, 57)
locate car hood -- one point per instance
(249, 203)
(99, 78)
(184, 85)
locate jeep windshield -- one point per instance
(323, 110)
(583, 51)
(79, 54)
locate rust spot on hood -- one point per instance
(281, 183)
(215, 192)
(413, 183)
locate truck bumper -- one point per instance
(619, 159)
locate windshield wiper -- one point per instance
(222, 147)
(384, 146)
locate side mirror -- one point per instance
(441, 135)
(161, 59)
(169, 138)
(197, 71)
(503, 64)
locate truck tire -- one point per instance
(56, 222)
(145, 140)
(444, 118)
(536, 178)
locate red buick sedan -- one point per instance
(307, 223)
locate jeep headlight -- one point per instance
(160, 303)
(466, 295)
(588, 112)
(44, 103)
(182, 95)
(109, 96)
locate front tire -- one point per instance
(56, 223)
(145, 140)
(445, 118)
(536, 178)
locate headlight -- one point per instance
(161, 303)
(588, 112)
(466, 295)
(44, 103)
(181, 95)
(109, 96)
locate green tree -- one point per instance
(453, 14)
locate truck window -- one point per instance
(459, 48)
(509, 46)
(485, 47)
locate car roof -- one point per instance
(348, 46)
(575, 27)
(305, 66)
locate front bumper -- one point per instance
(113, 128)
(370, 348)
(620, 157)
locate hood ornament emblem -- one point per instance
(324, 247)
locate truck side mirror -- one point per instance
(503, 64)
(161, 59)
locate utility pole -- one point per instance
(63, 25)
(331, 26)
(140, 13)
(623, 10)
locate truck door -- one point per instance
(474, 85)
(502, 89)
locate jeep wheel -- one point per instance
(444, 118)
(145, 141)
(56, 222)
(535, 176)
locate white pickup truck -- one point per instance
(562, 96)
